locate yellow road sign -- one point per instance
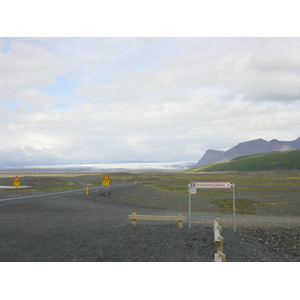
(106, 182)
(17, 181)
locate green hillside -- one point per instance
(286, 160)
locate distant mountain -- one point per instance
(248, 148)
(278, 160)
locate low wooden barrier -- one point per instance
(134, 217)
(220, 257)
(219, 241)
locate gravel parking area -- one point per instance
(96, 228)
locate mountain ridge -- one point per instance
(256, 146)
(278, 160)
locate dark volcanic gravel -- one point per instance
(166, 243)
(96, 227)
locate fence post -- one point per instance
(180, 221)
(219, 241)
(134, 222)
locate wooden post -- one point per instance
(180, 221)
(220, 244)
(134, 220)
(219, 241)
(220, 257)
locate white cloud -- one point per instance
(95, 100)
(28, 65)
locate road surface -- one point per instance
(62, 225)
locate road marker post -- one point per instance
(233, 204)
(190, 207)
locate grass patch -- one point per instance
(174, 189)
(273, 204)
(293, 175)
(242, 206)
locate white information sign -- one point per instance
(193, 186)
(193, 191)
(212, 185)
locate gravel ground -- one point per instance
(166, 243)
(96, 227)
(259, 238)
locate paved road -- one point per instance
(24, 198)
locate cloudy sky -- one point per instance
(93, 100)
(159, 82)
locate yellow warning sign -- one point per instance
(106, 177)
(17, 181)
(106, 182)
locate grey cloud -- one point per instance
(272, 97)
(276, 54)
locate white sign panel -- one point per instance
(193, 191)
(212, 185)
(193, 186)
